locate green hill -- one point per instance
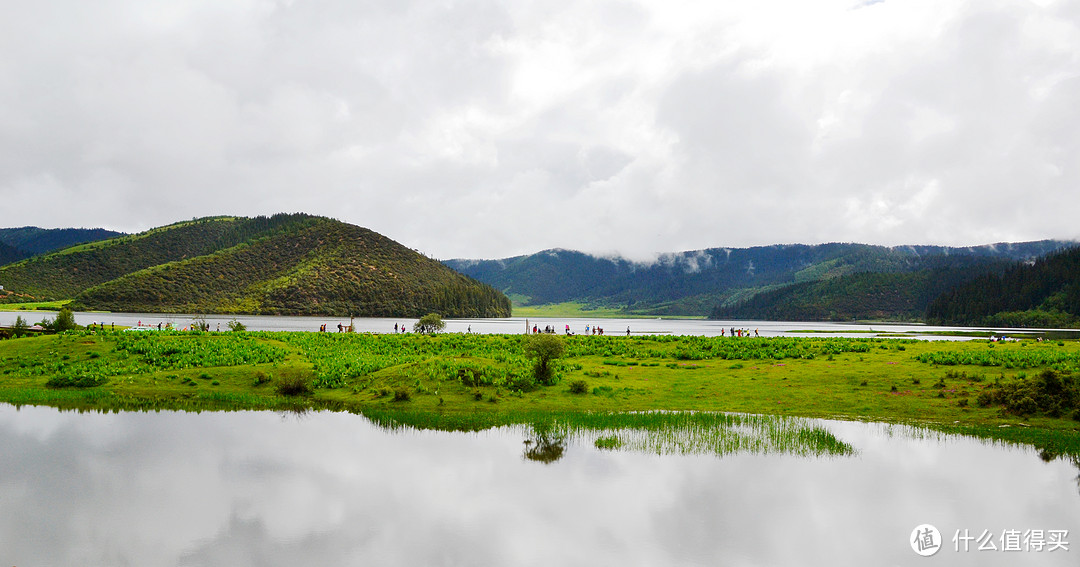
(285, 264)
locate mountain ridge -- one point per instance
(682, 283)
(294, 264)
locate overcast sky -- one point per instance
(485, 129)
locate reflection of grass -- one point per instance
(705, 433)
(661, 432)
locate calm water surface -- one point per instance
(259, 488)
(516, 325)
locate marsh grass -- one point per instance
(447, 375)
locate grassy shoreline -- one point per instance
(477, 381)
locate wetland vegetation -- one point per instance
(1020, 391)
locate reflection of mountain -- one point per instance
(697, 282)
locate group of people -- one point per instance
(195, 326)
(550, 330)
(740, 332)
(340, 328)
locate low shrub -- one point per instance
(83, 381)
(294, 385)
(579, 387)
(1049, 392)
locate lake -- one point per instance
(260, 488)
(515, 325)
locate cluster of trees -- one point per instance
(1044, 293)
(896, 296)
(30, 240)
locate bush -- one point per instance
(236, 326)
(429, 324)
(402, 395)
(1049, 392)
(579, 387)
(75, 381)
(294, 385)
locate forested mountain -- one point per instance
(9, 254)
(284, 264)
(1044, 293)
(895, 296)
(31, 240)
(695, 283)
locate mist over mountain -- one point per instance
(714, 281)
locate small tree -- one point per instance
(544, 348)
(20, 326)
(429, 324)
(65, 321)
(236, 326)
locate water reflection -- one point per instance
(683, 433)
(545, 445)
(250, 488)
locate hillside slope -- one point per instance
(284, 264)
(66, 273)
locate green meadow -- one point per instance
(1023, 391)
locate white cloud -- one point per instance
(487, 129)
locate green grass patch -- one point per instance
(445, 376)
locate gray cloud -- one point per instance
(486, 129)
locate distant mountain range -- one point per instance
(782, 282)
(27, 241)
(285, 264)
(302, 264)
